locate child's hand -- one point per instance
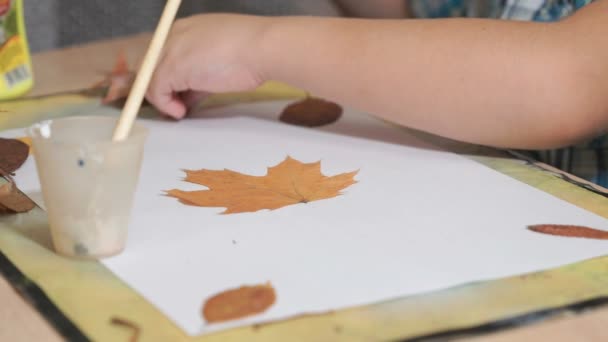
(206, 54)
(491, 82)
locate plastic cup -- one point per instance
(88, 182)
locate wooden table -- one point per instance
(79, 67)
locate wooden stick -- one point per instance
(142, 80)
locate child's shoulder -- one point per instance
(535, 10)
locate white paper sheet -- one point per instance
(418, 220)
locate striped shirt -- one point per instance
(536, 10)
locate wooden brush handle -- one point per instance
(142, 80)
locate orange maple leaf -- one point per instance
(287, 183)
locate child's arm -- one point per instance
(511, 84)
(374, 9)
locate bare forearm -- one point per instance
(482, 81)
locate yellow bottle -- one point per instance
(16, 77)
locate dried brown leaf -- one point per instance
(570, 231)
(27, 141)
(290, 182)
(5, 189)
(311, 112)
(12, 200)
(239, 303)
(13, 154)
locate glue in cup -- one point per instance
(88, 182)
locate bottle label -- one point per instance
(15, 72)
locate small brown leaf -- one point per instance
(13, 154)
(570, 231)
(311, 112)
(12, 200)
(5, 189)
(290, 182)
(26, 140)
(239, 303)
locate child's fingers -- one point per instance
(168, 103)
(174, 107)
(163, 95)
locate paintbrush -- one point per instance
(142, 80)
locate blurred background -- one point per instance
(59, 23)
